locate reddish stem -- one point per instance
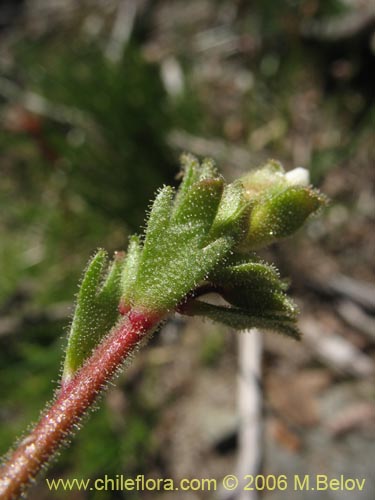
(71, 402)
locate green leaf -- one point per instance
(129, 272)
(256, 274)
(158, 221)
(254, 286)
(208, 170)
(241, 319)
(177, 253)
(96, 310)
(233, 213)
(190, 175)
(196, 212)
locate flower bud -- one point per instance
(259, 181)
(279, 205)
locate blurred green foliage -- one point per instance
(115, 153)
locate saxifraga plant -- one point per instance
(198, 240)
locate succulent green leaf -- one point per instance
(233, 212)
(177, 253)
(129, 271)
(96, 310)
(196, 212)
(110, 286)
(190, 175)
(208, 170)
(254, 286)
(176, 267)
(256, 274)
(241, 319)
(158, 221)
(257, 301)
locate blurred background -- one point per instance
(98, 99)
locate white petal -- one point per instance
(298, 177)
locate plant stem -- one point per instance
(71, 402)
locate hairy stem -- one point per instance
(72, 401)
